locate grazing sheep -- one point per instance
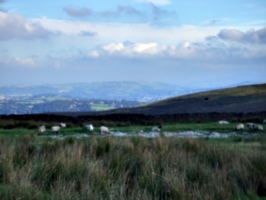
(41, 129)
(239, 127)
(89, 127)
(55, 129)
(255, 127)
(260, 127)
(223, 122)
(104, 130)
(250, 125)
(214, 135)
(156, 129)
(62, 125)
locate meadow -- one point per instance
(108, 167)
(18, 127)
(100, 107)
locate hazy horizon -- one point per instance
(179, 43)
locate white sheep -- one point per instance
(89, 127)
(214, 135)
(240, 127)
(62, 125)
(41, 129)
(255, 127)
(260, 127)
(250, 125)
(156, 129)
(104, 130)
(55, 129)
(223, 122)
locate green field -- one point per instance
(100, 107)
(10, 128)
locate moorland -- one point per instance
(136, 167)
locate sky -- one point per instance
(201, 43)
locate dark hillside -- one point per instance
(243, 103)
(244, 99)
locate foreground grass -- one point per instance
(131, 168)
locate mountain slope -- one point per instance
(241, 99)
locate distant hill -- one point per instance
(124, 90)
(88, 97)
(120, 90)
(243, 99)
(245, 103)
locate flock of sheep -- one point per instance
(250, 126)
(105, 130)
(90, 128)
(55, 129)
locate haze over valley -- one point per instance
(22, 99)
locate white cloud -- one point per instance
(127, 49)
(24, 61)
(16, 26)
(140, 32)
(113, 47)
(93, 54)
(150, 48)
(189, 51)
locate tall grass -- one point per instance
(131, 168)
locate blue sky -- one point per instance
(215, 43)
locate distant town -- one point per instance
(85, 97)
(35, 105)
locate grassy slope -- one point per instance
(242, 99)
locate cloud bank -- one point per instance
(189, 51)
(14, 26)
(252, 36)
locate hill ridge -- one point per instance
(240, 99)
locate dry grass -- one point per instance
(130, 168)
